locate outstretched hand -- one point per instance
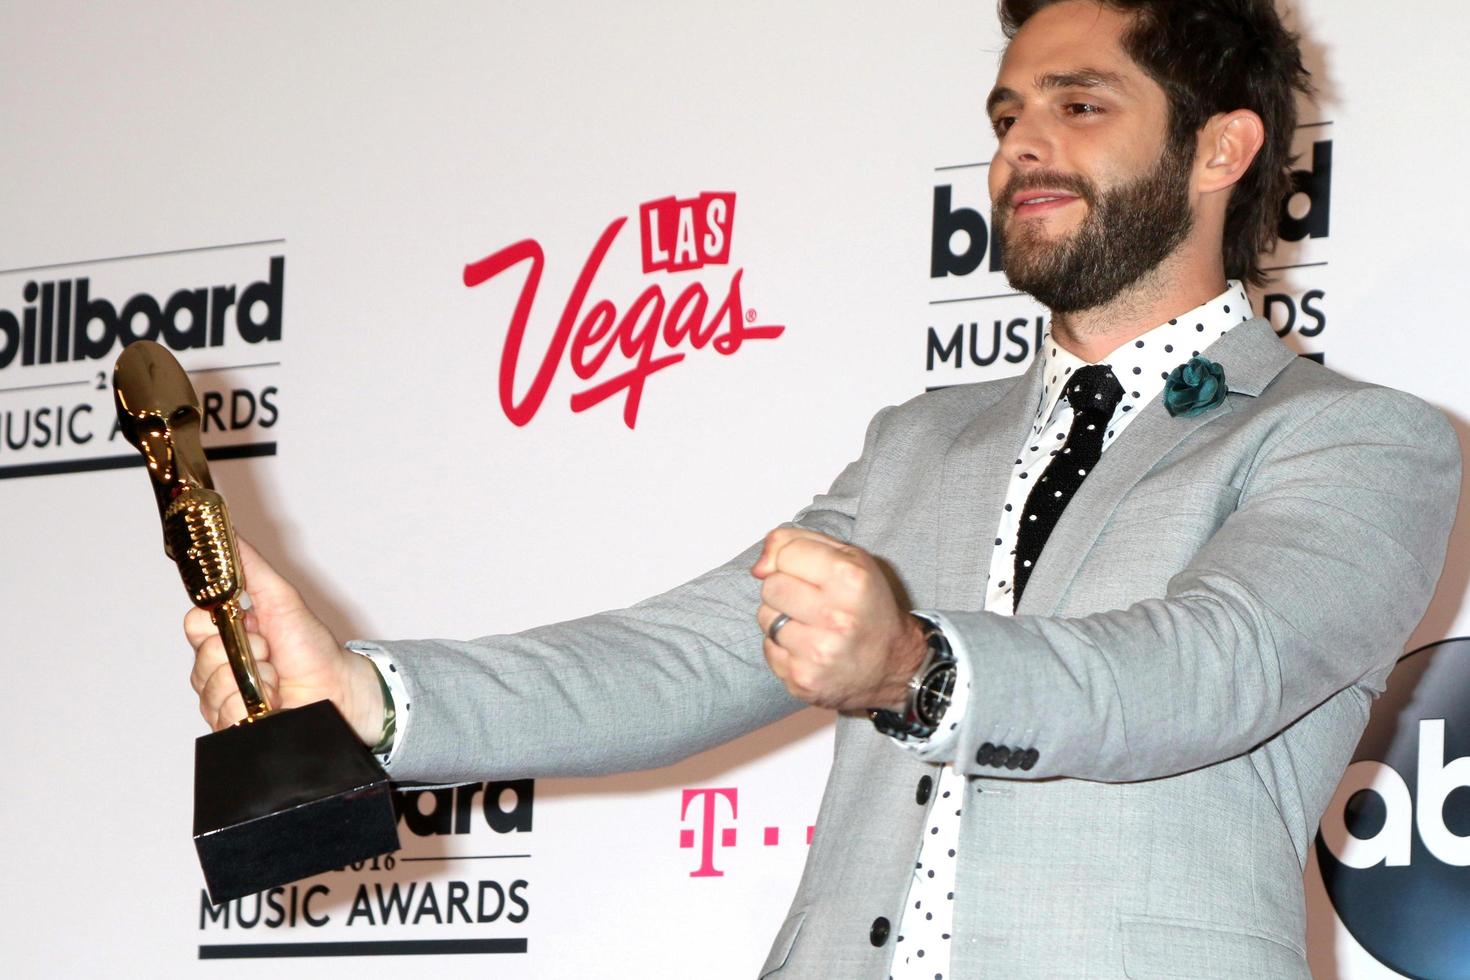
(300, 661)
(848, 644)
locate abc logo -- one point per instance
(1394, 847)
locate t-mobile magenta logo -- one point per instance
(706, 818)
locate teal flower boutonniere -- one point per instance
(1194, 387)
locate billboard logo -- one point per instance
(960, 239)
(434, 896)
(223, 313)
(1394, 846)
(63, 321)
(965, 253)
(505, 807)
(616, 350)
(1307, 210)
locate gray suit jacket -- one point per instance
(1193, 661)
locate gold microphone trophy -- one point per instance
(285, 793)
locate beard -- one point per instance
(1127, 232)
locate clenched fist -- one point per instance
(300, 661)
(848, 645)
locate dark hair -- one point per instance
(1214, 56)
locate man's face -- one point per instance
(1087, 195)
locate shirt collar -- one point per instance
(1143, 364)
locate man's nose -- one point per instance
(1029, 144)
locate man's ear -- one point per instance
(1228, 144)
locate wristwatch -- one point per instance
(929, 691)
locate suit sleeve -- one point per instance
(628, 689)
(1311, 586)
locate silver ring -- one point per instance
(775, 627)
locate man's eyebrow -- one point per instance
(998, 95)
(1081, 78)
(1077, 78)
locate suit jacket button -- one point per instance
(982, 757)
(998, 756)
(1028, 759)
(879, 933)
(921, 795)
(1013, 761)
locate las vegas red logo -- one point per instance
(649, 334)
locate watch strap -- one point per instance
(929, 690)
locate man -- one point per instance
(1108, 756)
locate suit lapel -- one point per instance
(1251, 355)
(977, 469)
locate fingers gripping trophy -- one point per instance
(285, 793)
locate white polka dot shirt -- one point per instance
(922, 949)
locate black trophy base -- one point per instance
(291, 795)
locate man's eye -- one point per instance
(1002, 123)
(1082, 109)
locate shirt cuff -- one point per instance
(392, 677)
(940, 746)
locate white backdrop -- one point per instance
(378, 149)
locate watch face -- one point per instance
(934, 693)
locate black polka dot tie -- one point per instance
(1093, 393)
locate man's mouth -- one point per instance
(1036, 202)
